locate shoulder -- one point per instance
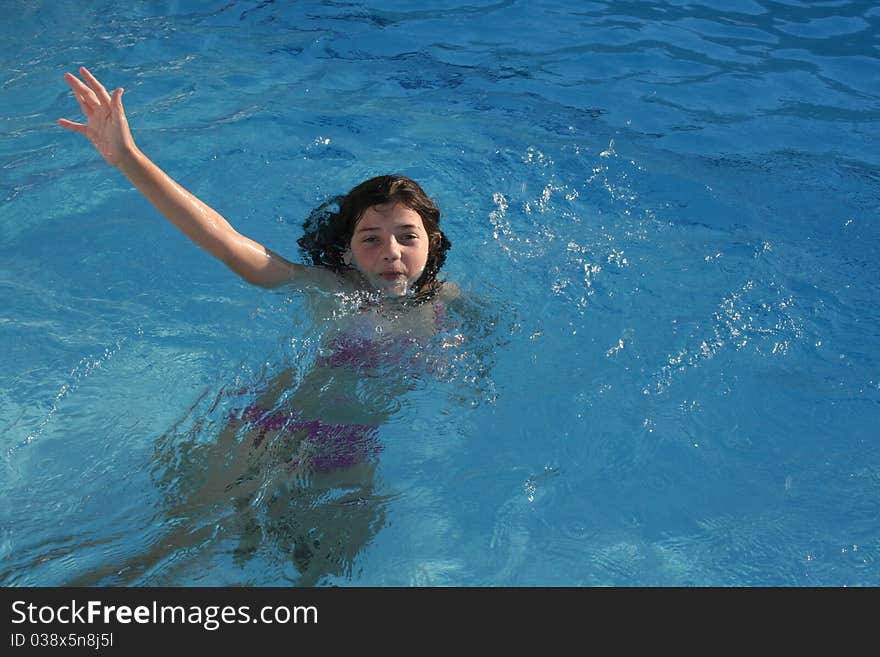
(449, 291)
(309, 277)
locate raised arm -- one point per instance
(107, 129)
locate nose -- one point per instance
(391, 252)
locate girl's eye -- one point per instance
(409, 237)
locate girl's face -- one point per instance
(389, 247)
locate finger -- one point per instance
(96, 86)
(87, 105)
(84, 95)
(116, 100)
(78, 128)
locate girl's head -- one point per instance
(387, 229)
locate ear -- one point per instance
(346, 257)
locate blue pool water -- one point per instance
(664, 219)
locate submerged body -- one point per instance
(290, 472)
(301, 450)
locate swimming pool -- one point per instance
(664, 219)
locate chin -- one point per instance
(395, 292)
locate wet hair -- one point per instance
(330, 226)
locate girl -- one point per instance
(383, 248)
(385, 240)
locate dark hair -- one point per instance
(328, 232)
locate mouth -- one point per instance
(392, 275)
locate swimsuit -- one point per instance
(327, 446)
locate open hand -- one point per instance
(107, 127)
